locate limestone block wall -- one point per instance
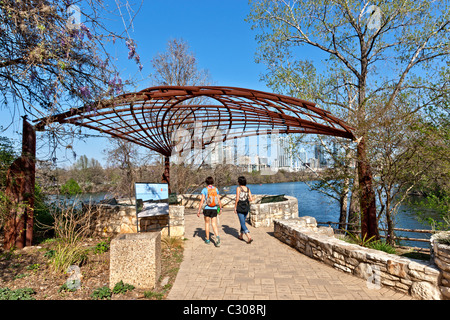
(440, 255)
(109, 220)
(261, 214)
(417, 278)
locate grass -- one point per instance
(381, 246)
(369, 243)
(67, 254)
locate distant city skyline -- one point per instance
(263, 152)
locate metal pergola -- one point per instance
(152, 116)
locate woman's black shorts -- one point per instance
(212, 213)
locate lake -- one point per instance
(323, 208)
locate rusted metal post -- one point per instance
(29, 153)
(166, 174)
(20, 193)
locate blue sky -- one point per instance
(216, 32)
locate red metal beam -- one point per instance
(149, 117)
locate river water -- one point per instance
(323, 208)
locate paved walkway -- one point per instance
(265, 269)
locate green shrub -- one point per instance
(121, 287)
(65, 288)
(106, 293)
(382, 246)
(101, 293)
(18, 294)
(101, 247)
(71, 187)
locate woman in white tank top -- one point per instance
(242, 207)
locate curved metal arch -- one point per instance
(151, 116)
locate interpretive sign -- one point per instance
(152, 199)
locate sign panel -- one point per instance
(152, 199)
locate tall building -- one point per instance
(283, 153)
(303, 156)
(320, 155)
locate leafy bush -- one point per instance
(101, 247)
(18, 294)
(435, 211)
(71, 187)
(101, 293)
(121, 287)
(65, 288)
(106, 293)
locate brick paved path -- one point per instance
(265, 269)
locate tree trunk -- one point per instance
(369, 225)
(343, 201)
(390, 223)
(355, 207)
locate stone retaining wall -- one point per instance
(440, 255)
(261, 214)
(264, 214)
(109, 220)
(417, 278)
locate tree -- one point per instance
(7, 156)
(178, 67)
(387, 50)
(54, 55)
(128, 158)
(71, 187)
(435, 186)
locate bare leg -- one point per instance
(214, 226)
(207, 221)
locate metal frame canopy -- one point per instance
(152, 116)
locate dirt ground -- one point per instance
(29, 268)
